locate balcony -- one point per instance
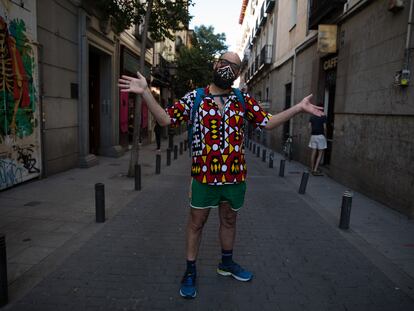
(256, 63)
(266, 55)
(137, 34)
(253, 35)
(263, 15)
(324, 12)
(162, 71)
(257, 27)
(270, 4)
(245, 60)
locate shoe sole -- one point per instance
(226, 273)
(188, 296)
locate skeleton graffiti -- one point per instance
(19, 143)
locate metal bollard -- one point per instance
(170, 141)
(181, 148)
(346, 210)
(254, 148)
(282, 168)
(185, 144)
(157, 164)
(168, 157)
(250, 146)
(4, 295)
(137, 177)
(258, 151)
(175, 152)
(271, 155)
(264, 155)
(303, 182)
(100, 202)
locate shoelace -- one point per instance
(236, 267)
(188, 279)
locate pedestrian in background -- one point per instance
(157, 131)
(317, 142)
(218, 164)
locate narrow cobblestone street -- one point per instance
(135, 262)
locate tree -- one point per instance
(194, 64)
(159, 18)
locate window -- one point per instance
(293, 13)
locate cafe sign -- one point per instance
(327, 37)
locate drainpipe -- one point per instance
(42, 115)
(292, 95)
(402, 77)
(408, 40)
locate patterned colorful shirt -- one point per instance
(217, 143)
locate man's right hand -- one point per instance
(135, 85)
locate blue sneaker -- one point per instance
(188, 288)
(235, 270)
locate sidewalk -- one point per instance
(46, 220)
(135, 261)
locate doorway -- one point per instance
(94, 100)
(329, 68)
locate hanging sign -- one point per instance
(327, 37)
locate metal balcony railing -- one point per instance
(266, 55)
(256, 63)
(270, 4)
(263, 15)
(324, 11)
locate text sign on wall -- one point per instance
(327, 37)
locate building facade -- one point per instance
(363, 85)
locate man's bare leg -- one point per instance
(196, 220)
(227, 231)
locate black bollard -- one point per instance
(250, 146)
(100, 202)
(282, 168)
(271, 160)
(303, 182)
(137, 177)
(168, 157)
(4, 296)
(264, 155)
(346, 210)
(254, 148)
(185, 144)
(175, 152)
(181, 148)
(158, 164)
(258, 151)
(170, 141)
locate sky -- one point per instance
(223, 15)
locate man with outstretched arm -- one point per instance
(218, 165)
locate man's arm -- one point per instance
(304, 105)
(139, 86)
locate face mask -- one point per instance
(224, 77)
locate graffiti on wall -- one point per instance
(19, 146)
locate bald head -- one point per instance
(232, 57)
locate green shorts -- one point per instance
(209, 196)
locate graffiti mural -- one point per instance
(19, 129)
